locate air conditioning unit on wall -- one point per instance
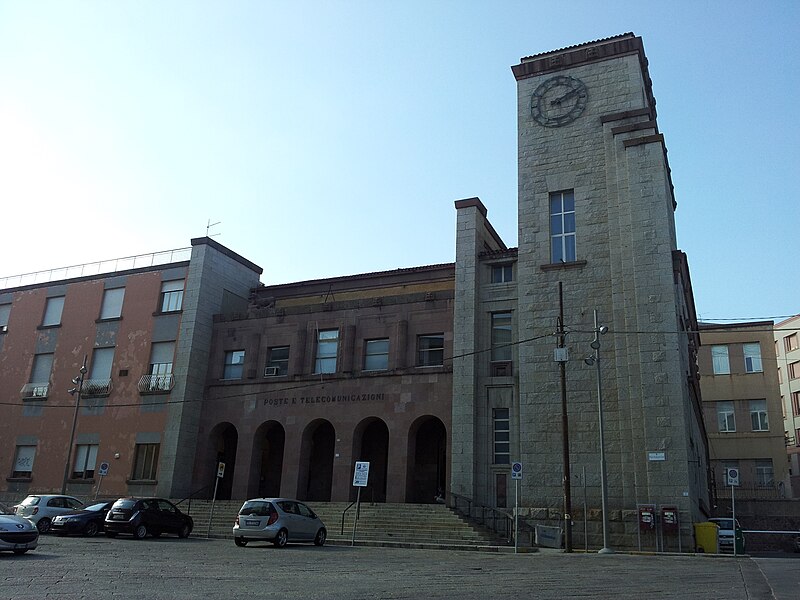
(270, 371)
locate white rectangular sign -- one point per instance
(516, 470)
(361, 474)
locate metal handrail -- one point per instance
(343, 513)
(496, 515)
(192, 495)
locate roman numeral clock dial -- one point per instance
(558, 101)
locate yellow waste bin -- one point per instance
(706, 536)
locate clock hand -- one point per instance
(569, 94)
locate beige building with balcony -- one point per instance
(741, 400)
(787, 349)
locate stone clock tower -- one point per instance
(596, 220)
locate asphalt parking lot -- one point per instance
(168, 567)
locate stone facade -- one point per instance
(610, 156)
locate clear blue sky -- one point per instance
(331, 138)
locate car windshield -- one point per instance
(99, 506)
(128, 503)
(31, 501)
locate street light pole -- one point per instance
(594, 359)
(76, 391)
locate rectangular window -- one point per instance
(23, 461)
(796, 404)
(39, 384)
(562, 226)
(765, 475)
(277, 361)
(719, 357)
(376, 355)
(234, 364)
(726, 417)
(5, 311)
(501, 337)
(502, 436)
(758, 415)
(99, 381)
(145, 465)
(111, 308)
(85, 459)
(752, 358)
(430, 350)
(502, 274)
(159, 377)
(52, 311)
(171, 295)
(797, 437)
(327, 349)
(794, 370)
(789, 342)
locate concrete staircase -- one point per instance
(402, 525)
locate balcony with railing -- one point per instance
(113, 265)
(156, 384)
(96, 388)
(35, 391)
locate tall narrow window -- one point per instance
(758, 415)
(726, 417)
(23, 461)
(430, 350)
(502, 436)
(501, 337)
(376, 355)
(796, 404)
(145, 464)
(5, 311)
(719, 358)
(234, 364)
(99, 382)
(327, 348)
(789, 342)
(562, 226)
(52, 311)
(39, 384)
(277, 361)
(112, 303)
(794, 370)
(171, 295)
(85, 459)
(752, 357)
(160, 371)
(765, 475)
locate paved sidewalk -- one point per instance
(68, 568)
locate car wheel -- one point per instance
(43, 525)
(91, 529)
(140, 532)
(241, 542)
(282, 538)
(184, 531)
(20, 550)
(321, 536)
(111, 534)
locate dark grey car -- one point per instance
(278, 520)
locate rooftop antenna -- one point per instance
(209, 226)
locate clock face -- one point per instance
(558, 101)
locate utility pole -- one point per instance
(561, 357)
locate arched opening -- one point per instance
(371, 444)
(266, 465)
(224, 439)
(316, 462)
(427, 460)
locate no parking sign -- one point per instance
(516, 470)
(103, 470)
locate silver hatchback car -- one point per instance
(278, 520)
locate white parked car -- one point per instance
(17, 534)
(40, 509)
(278, 520)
